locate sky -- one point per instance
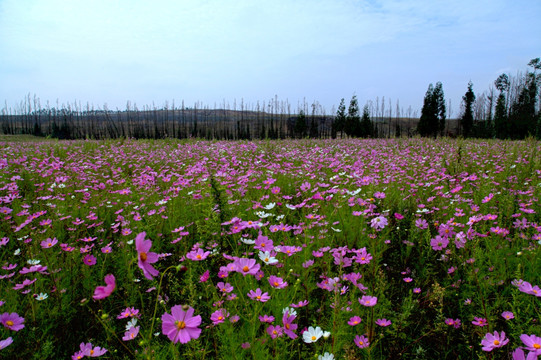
(224, 51)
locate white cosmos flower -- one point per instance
(280, 217)
(270, 206)
(291, 207)
(131, 324)
(262, 214)
(326, 356)
(336, 230)
(312, 334)
(247, 241)
(267, 258)
(41, 296)
(33, 262)
(290, 311)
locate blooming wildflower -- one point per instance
(131, 333)
(518, 354)
(246, 266)
(298, 305)
(532, 343)
(417, 290)
(266, 318)
(89, 350)
(12, 321)
(41, 296)
(224, 288)
(312, 334)
(48, 243)
(89, 260)
(258, 295)
(421, 224)
(326, 356)
(275, 331)
(204, 277)
(233, 319)
(263, 243)
(181, 325)
(289, 327)
(5, 343)
(383, 322)
(361, 341)
(198, 255)
(101, 292)
(408, 279)
(128, 312)
(366, 300)
(527, 288)
(355, 320)
(456, 322)
(479, 321)
(267, 257)
(492, 341)
(145, 258)
(379, 222)
(363, 257)
(219, 316)
(439, 243)
(277, 282)
(508, 315)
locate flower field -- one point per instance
(353, 249)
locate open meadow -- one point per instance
(295, 249)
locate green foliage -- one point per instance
(467, 117)
(432, 121)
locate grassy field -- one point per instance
(350, 249)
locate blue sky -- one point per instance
(111, 51)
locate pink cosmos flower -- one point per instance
(379, 222)
(532, 343)
(527, 288)
(355, 320)
(224, 288)
(361, 341)
(89, 260)
(204, 277)
(263, 243)
(258, 295)
(366, 300)
(275, 331)
(181, 325)
(101, 292)
(145, 258)
(198, 255)
(277, 282)
(266, 318)
(219, 316)
(289, 327)
(12, 321)
(247, 266)
(479, 321)
(508, 315)
(131, 333)
(5, 343)
(128, 312)
(383, 322)
(439, 243)
(518, 354)
(89, 350)
(47, 243)
(492, 341)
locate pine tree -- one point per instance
(500, 113)
(340, 120)
(300, 125)
(439, 104)
(424, 127)
(366, 125)
(353, 120)
(467, 118)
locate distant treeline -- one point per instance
(513, 112)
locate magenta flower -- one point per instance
(355, 320)
(383, 322)
(266, 318)
(131, 333)
(508, 315)
(275, 331)
(532, 343)
(89, 260)
(379, 222)
(263, 243)
(527, 288)
(12, 321)
(198, 255)
(277, 282)
(47, 243)
(247, 266)
(479, 321)
(518, 354)
(219, 316)
(145, 258)
(361, 341)
(289, 327)
(128, 312)
(258, 295)
(181, 325)
(439, 243)
(224, 288)
(492, 341)
(101, 292)
(5, 343)
(89, 350)
(204, 277)
(368, 300)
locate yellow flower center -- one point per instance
(198, 256)
(91, 352)
(287, 326)
(360, 343)
(313, 338)
(276, 283)
(263, 245)
(220, 317)
(537, 346)
(258, 297)
(266, 259)
(496, 342)
(9, 323)
(274, 332)
(245, 268)
(180, 325)
(143, 256)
